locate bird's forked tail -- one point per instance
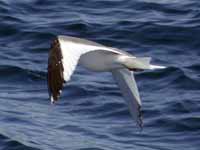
(140, 63)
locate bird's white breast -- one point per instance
(100, 61)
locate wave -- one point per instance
(7, 143)
(175, 123)
(172, 77)
(15, 73)
(92, 113)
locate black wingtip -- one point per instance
(140, 119)
(55, 71)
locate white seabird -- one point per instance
(66, 52)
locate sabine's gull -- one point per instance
(66, 52)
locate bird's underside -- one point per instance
(66, 52)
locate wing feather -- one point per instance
(63, 58)
(128, 86)
(72, 48)
(55, 71)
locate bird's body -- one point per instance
(66, 52)
(99, 61)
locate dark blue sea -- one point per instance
(92, 114)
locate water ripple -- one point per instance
(92, 113)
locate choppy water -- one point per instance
(91, 114)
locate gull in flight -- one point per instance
(66, 52)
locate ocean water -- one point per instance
(92, 114)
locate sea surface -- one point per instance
(92, 114)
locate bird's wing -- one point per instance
(64, 56)
(72, 48)
(128, 86)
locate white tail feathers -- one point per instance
(144, 60)
(156, 67)
(139, 63)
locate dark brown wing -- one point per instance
(55, 71)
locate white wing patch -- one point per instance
(73, 48)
